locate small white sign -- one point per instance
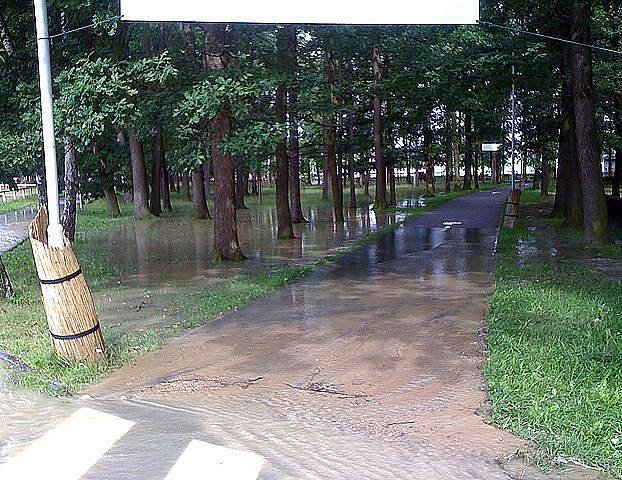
(349, 12)
(491, 147)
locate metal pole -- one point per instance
(55, 229)
(513, 129)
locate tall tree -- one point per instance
(294, 140)
(333, 173)
(381, 169)
(226, 245)
(595, 220)
(283, 212)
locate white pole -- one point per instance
(55, 229)
(513, 129)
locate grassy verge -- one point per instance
(15, 205)
(23, 330)
(554, 364)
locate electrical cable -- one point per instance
(85, 27)
(549, 37)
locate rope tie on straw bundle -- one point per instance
(58, 281)
(75, 336)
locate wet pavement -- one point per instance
(367, 369)
(14, 227)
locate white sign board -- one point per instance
(491, 147)
(350, 12)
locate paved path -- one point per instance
(367, 369)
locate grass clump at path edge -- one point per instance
(554, 362)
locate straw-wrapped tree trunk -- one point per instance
(5, 282)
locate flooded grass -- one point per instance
(554, 364)
(23, 330)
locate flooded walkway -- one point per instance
(366, 369)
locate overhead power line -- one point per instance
(85, 27)
(549, 37)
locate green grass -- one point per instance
(23, 331)
(15, 205)
(554, 363)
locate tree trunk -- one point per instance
(569, 192)
(166, 184)
(185, 186)
(351, 146)
(5, 282)
(448, 154)
(157, 150)
(617, 175)
(239, 185)
(283, 213)
(294, 141)
(468, 154)
(476, 169)
(325, 157)
(139, 175)
(329, 65)
(544, 184)
(207, 179)
(112, 202)
(430, 184)
(226, 245)
(456, 148)
(71, 190)
(381, 180)
(198, 194)
(595, 219)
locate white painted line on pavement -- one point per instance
(203, 460)
(69, 450)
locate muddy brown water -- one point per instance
(156, 261)
(367, 369)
